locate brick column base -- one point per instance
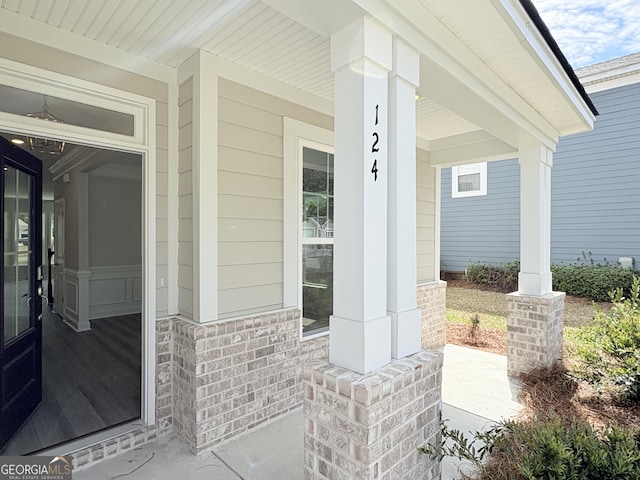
(534, 331)
(432, 301)
(370, 426)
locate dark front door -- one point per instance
(20, 296)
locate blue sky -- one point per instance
(592, 31)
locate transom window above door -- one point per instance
(41, 107)
(23, 102)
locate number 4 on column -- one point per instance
(374, 170)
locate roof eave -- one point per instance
(553, 45)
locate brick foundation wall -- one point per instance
(231, 376)
(534, 331)
(432, 300)
(370, 426)
(218, 380)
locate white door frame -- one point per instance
(143, 142)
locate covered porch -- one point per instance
(389, 91)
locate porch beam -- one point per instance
(485, 150)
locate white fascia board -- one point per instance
(619, 77)
(533, 41)
(432, 39)
(51, 36)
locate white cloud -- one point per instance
(592, 31)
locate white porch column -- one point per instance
(360, 327)
(534, 312)
(406, 319)
(535, 220)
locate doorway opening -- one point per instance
(92, 322)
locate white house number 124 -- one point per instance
(375, 149)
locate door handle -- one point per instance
(45, 301)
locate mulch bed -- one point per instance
(552, 392)
(489, 340)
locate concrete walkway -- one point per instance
(476, 392)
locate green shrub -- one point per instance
(502, 278)
(608, 350)
(588, 279)
(545, 448)
(478, 273)
(594, 282)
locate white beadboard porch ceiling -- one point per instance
(261, 38)
(247, 32)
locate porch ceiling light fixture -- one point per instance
(45, 145)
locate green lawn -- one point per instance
(491, 308)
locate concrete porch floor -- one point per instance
(476, 392)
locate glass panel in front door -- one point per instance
(17, 251)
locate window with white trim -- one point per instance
(469, 180)
(308, 224)
(317, 239)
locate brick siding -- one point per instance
(432, 301)
(370, 426)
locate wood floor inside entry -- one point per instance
(90, 381)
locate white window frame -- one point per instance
(297, 135)
(471, 168)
